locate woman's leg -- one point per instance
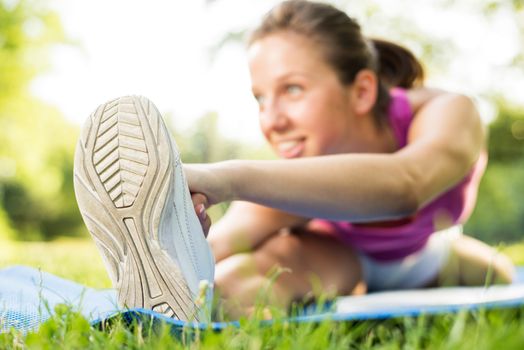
(308, 260)
(474, 263)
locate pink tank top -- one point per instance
(393, 240)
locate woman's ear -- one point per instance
(364, 92)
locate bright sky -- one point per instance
(160, 49)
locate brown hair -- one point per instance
(344, 47)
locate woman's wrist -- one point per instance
(229, 179)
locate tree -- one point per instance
(36, 143)
(499, 215)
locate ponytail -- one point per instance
(397, 66)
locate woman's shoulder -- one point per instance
(417, 97)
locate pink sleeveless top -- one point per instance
(393, 240)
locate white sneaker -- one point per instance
(135, 202)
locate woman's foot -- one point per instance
(134, 199)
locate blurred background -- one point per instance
(61, 59)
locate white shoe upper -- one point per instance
(193, 253)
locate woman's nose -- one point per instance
(274, 117)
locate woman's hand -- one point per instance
(207, 188)
(210, 181)
(200, 204)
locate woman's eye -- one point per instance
(293, 89)
(260, 99)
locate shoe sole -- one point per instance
(123, 178)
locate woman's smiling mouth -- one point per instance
(290, 148)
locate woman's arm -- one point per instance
(245, 226)
(445, 139)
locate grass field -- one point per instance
(75, 259)
(78, 260)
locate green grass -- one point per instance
(515, 252)
(500, 329)
(75, 259)
(78, 260)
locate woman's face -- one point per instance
(304, 110)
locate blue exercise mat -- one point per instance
(28, 297)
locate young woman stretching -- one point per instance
(378, 172)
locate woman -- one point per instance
(378, 172)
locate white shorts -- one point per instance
(413, 271)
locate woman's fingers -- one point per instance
(206, 225)
(200, 203)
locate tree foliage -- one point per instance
(36, 143)
(499, 215)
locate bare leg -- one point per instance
(307, 259)
(474, 263)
